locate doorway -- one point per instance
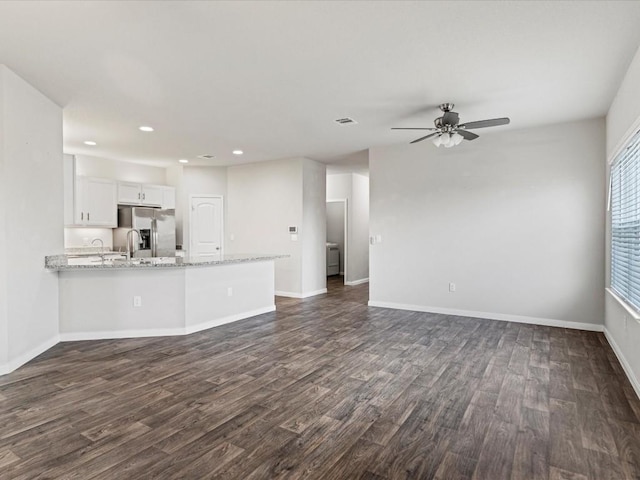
(205, 225)
(337, 238)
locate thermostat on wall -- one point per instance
(293, 229)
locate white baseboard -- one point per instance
(116, 334)
(280, 293)
(162, 332)
(357, 282)
(623, 361)
(548, 322)
(231, 318)
(28, 356)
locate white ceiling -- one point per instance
(270, 78)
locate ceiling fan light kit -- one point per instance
(449, 133)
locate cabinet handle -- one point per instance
(88, 216)
(138, 195)
(81, 215)
(144, 195)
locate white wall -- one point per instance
(263, 200)
(123, 171)
(314, 227)
(623, 120)
(359, 229)
(354, 188)
(31, 209)
(82, 237)
(5, 202)
(515, 219)
(174, 177)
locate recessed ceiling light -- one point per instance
(183, 160)
(237, 152)
(146, 128)
(90, 142)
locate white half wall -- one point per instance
(98, 304)
(623, 119)
(32, 216)
(515, 220)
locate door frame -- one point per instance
(345, 202)
(205, 195)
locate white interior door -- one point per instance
(206, 225)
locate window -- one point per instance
(625, 223)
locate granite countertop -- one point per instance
(72, 262)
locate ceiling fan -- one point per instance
(449, 133)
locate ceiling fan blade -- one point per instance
(412, 128)
(494, 122)
(450, 118)
(467, 135)
(424, 138)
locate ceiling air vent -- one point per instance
(206, 157)
(345, 121)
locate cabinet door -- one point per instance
(151, 195)
(79, 211)
(129, 193)
(100, 202)
(69, 190)
(168, 198)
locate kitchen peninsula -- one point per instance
(118, 298)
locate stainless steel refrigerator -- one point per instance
(156, 227)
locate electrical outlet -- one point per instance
(229, 291)
(137, 301)
(452, 287)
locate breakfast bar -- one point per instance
(102, 297)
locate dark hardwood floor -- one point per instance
(326, 388)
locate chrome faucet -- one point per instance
(101, 247)
(129, 242)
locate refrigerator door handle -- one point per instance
(154, 237)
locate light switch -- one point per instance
(378, 238)
(294, 237)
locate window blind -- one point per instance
(625, 223)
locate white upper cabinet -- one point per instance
(137, 194)
(95, 202)
(152, 195)
(129, 193)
